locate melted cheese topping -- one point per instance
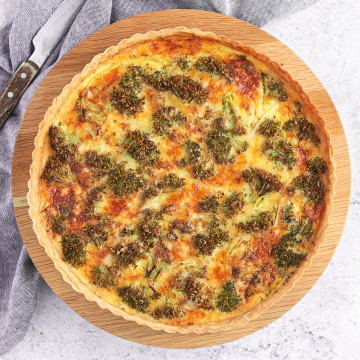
(198, 261)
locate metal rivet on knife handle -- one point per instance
(10, 96)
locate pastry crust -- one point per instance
(41, 153)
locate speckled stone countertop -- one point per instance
(325, 324)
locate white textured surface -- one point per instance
(325, 324)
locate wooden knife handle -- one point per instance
(14, 89)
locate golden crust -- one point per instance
(41, 153)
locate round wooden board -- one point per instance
(72, 63)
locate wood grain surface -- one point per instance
(72, 63)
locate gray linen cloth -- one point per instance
(18, 276)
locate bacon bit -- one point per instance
(179, 47)
(155, 47)
(134, 275)
(77, 222)
(176, 197)
(132, 214)
(60, 199)
(101, 96)
(85, 92)
(220, 178)
(110, 78)
(98, 256)
(175, 150)
(262, 246)
(220, 272)
(180, 249)
(165, 285)
(196, 193)
(301, 158)
(268, 276)
(164, 165)
(117, 205)
(235, 272)
(162, 252)
(83, 177)
(244, 74)
(193, 316)
(313, 212)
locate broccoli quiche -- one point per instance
(182, 180)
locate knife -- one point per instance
(44, 43)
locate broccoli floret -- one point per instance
(127, 254)
(280, 151)
(135, 297)
(219, 145)
(181, 86)
(88, 111)
(138, 144)
(74, 250)
(125, 96)
(165, 118)
(303, 129)
(299, 231)
(206, 244)
(194, 290)
(209, 204)
(101, 162)
(168, 182)
(269, 128)
(306, 229)
(193, 153)
(98, 233)
(258, 222)
(286, 258)
(158, 80)
(172, 182)
(229, 111)
(127, 102)
(183, 63)
(57, 170)
(61, 144)
(94, 195)
(233, 204)
(126, 99)
(274, 87)
(284, 255)
(149, 227)
(312, 187)
(213, 66)
(261, 181)
(166, 311)
(191, 288)
(154, 270)
(228, 300)
(124, 182)
(181, 225)
(200, 171)
(188, 89)
(287, 214)
(101, 276)
(58, 222)
(317, 166)
(152, 189)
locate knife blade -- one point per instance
(44, 42)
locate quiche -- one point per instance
(182, 180)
